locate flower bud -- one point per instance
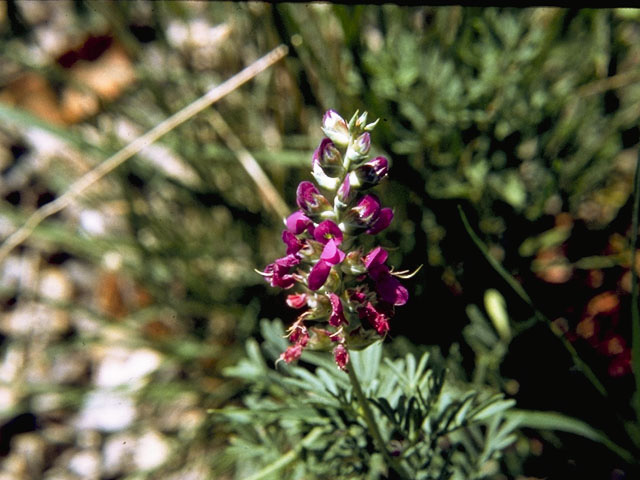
(369, 174)
(345, 194)
(337, 317)
(362, 145)
(361, 121)
(382, 222)
(357, 152)
(352, 264)
(297, 300)
(328, 157)
(320, 339)
(334, 127)
(341, 356)
(310, 200)
(292, 353)
(363, 215)
(324, 180)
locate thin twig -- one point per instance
(249, 163)
(84, 182)
(513, 283)
(635, 314)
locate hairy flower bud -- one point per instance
(363, 215)
(337, 317)
(310, 200)
(357, 151)
(292, 353)
(369, 174)
(297, 300)
(382, 222)
(328, 157)
(352, 264)
(341, 356)
(334, 127)
(345, 194)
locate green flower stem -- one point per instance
(373, 427)
(513, 283)
(635, 314)
(290, 456)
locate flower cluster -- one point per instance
(348, 295)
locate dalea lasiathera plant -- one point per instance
(346, 295)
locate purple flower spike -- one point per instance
(298, 222)
(337, 313)
(332, 254)
(324, 255)
(382, 222)
(318, 275)
(327, 230)
(310, 200)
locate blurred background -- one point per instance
(120, 312)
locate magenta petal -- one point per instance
(327, 230)
(391, 290)
(297, 222)
(345, 194)
(378, 271)
(337, 314)
(332, 254)
(297, 300)
(368, 208)
(382, 222)
(291, 241)
(318, 275)
(309, 198)
(377, 256)
(291, 260)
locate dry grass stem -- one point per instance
(84, 182)
(249, 163)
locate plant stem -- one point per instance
(372, 426)
(635, 314)
(513, 283)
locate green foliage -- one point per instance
(435, 427)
